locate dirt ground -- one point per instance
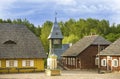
(75, 74)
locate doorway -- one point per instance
(109, 65)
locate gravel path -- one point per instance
(64, 75)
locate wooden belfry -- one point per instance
(55, 41)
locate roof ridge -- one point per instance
(95, 39)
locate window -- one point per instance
(96, 61)
(28, 63)
(57, 41)
(73, 61)
(9, 42)
(11, 63)
(103, 62)
(69, 61)
(0, 63)
(115, 62)
(119, 61)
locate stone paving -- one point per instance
(65, 75)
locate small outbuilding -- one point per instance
(110, 57)
(82, 54)
(20, 49)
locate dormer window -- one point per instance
(56, 33)
(9, 42)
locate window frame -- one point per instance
(119, 61)
(103, 62)
(97, 61)
(115, 64)
(27, 63)
(14, 63)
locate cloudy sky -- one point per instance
(38, 11)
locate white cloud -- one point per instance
(4, 5)
(66, 2)
(100, 8)
(59, 2)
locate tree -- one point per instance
(45, 31)
(70, 39)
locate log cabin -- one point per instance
(82, 54)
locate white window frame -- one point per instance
(103, 62)
(24, 64)
(97, 61)
(0, 63)
(119, 61)
(15, 63)
(113, 62)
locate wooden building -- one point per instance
(83, 53)
(20, 49)
(110, 57)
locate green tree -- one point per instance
(70, 39)
(45, 31)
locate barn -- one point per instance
(20, 49)
(82, 54)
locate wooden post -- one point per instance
(98, 58)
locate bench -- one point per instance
(26, 68)
(8, 69)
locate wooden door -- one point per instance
(109, 64)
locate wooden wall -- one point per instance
(38, 64)
(85, 60)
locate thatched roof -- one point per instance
(55, 31)
(16, 41)
(113, 49)
(82, 44)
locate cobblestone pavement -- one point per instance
(65, 75)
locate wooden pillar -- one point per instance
(67, 61)
(72, 63)
(76, 63)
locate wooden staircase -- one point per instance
(62, 67)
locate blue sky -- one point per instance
(39, 11)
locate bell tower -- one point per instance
(55, 37)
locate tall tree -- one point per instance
(45, 31)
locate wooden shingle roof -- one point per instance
(113, 49)
(82, 44)
(55, 31)
(17, 41)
